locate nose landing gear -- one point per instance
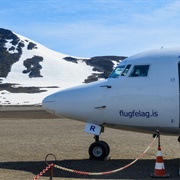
(99, 150)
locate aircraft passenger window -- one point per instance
(117, 71)
(140, 71)
(124, 73)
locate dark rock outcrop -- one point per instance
(7, 59)
(33, 66)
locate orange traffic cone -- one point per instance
(159, 170)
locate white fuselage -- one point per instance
(144, 102)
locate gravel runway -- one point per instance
(28, 134)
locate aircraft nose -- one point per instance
(48, 103)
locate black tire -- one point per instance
(108, 148)
(98, 150)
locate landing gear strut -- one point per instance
(99, 150)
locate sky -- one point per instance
(87, 28)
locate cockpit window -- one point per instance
(124, 73)
(139, 71)
(117, 71)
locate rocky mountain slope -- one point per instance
(29, 69)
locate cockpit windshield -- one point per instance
(117, 71)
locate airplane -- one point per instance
(142, 94)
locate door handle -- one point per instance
(100, 107)
(106, 86)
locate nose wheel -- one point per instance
(99, 150)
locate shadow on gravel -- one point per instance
(140, 170)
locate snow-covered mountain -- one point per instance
(29, 71)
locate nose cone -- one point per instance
(48, 103)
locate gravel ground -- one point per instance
(28, 134)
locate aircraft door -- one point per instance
(179, 90)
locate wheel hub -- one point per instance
(97, 151)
